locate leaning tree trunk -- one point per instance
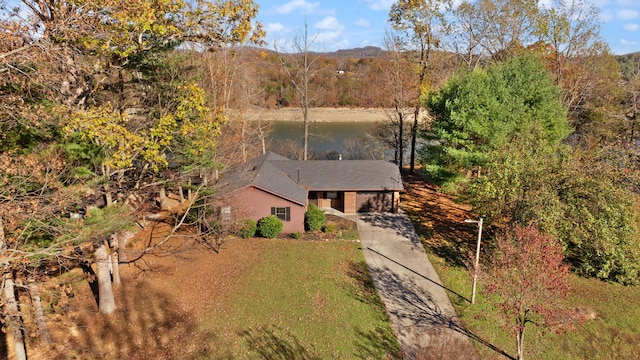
(13, 317)
(38, 313)
(106, 301)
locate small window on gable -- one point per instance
(225, 213)
(282, 213)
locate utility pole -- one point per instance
(477, 262)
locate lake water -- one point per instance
(323, 136)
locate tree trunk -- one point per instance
(106, 301)
(13, 317)
(520, 343)
(181, 191)
(34, 293)
(163, 196)
(400, 138)
(243, 135)
(115, 244)
(414, 135)
(107, 195)
(115, 269)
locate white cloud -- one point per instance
(325, 36)
(329, 23)
(631, 27)
(302, 5)
(275, 28)
(363, 22)
(627, 14)
(628, 42)
(379, 5)
(342, 44)
(606, 16)
(626, 2)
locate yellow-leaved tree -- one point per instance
(98, 95)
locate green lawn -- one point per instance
(303, 300)
(613, 334)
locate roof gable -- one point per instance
(260, 173)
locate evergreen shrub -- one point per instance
(314, 218)
(269, 226)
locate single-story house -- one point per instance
(274, 185)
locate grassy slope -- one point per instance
(303, 300)
(613, 334)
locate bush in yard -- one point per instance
(269, 226)
(329, 228)
(248, 228)
(296, 235)
(314, 218)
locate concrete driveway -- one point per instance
(419, 309)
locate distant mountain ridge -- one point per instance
(355, 53)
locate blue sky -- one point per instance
(349, 24)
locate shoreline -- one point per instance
(318, 114)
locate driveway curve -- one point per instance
(420, 312)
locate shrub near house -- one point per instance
(269, 226)
(314, 218)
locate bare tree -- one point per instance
(362, 148)
(425, 24)
(299, 66)
(399, 85)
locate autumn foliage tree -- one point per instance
(91, 104)
(529, 280)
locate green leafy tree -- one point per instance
(579, 198)
(478, 111)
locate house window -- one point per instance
(225, 213)
(282, 213)
(332, 194)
